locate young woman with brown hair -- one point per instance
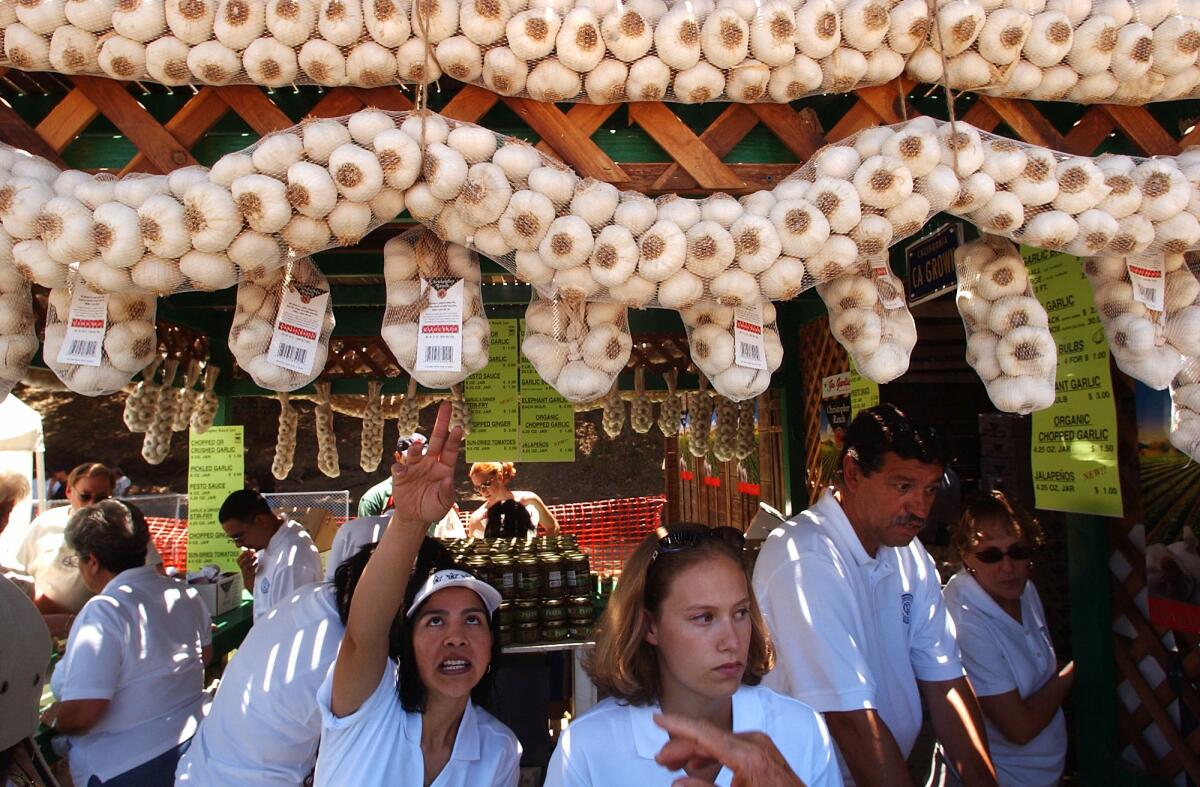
(682, 635)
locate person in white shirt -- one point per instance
(1005, 642)
(683, 635)
(416, 722)
(58, 587)
(264, 724)
(358, 533)
(855, 609)
(130, 683)
(277, 556)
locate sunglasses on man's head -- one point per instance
(685, 538)
(995, 554)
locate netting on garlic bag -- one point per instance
(18, 327)
(1185, 408)
(95, 342)
(736, 347)
(1009, 344)
(143, 399)
(434, 323)
(869, 317)
(578, 347)
(1148, 306)
(1117, 51)
(281, 326)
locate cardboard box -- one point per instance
(223, 595)
(319, 523)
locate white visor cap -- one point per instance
(454, 578)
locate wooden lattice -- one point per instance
(692, 157)
(821, 356)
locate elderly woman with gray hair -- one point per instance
(130, 682)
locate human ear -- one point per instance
(650, 627)
(851, 472)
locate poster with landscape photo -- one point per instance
(1170, 487)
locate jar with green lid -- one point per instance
(528, 633)
(580, 608)
(504, 575)
(578, 572)
(526, 611)
(506, 636)
(554, 631)
(505, 615)
(529, 577)
(554, 576)
(553, 609)
(578, 630)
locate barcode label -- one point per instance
(748, 334)
(298, 328)
(440, 326)
(1149, 282)
(87, 321)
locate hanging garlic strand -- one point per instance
(460, 411)
(724, 448)
(327, 452)
(285, 441)
(613, 418)
(670, 412)
(187, 396)
(700, 410)
(371, 450)
(205, 411)
(641, 410)
(745, 445)
(142, 400)
(408, 414)
(157, 444)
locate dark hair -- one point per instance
(243, 505)
(991, 509)
(112, 531)
(432, 557)
(884, 429)
(623, 664)
(508, 519)
(90, 470)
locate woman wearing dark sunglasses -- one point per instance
(683, 636)
(1005, 644)
(506, 513)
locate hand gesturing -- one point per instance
(423, 486)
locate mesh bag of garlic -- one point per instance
(1150, 312)
(736, 348)
(18, 328)
(1009, 344)
(1114, 51)
(1185, 408)
(281, 326)
(95, 343)
(577, 347)
(143, 399)
(869, 317)
(434, 323)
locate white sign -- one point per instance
(298, 329)
(440, 327)
(86, 323)
(748, 349)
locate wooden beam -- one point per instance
(389, 98)
(67, 120)
(470, 104)
(575, 147)
(1087, 135)
(337, 102)
(800, 132)
(189, 125)
(721, 136)
(131, 119)
(1029, 124)
(16, 132)
(1143, 130)
(253, 106)
(665, 128)
(587, 117)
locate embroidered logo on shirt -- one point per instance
(906, 607)
(265, 587)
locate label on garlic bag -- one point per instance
(1149, 282)
(298, 329)
(890, 294)
(748, 348)
(86, 323)
(440, 326)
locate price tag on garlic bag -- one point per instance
(890, 295)
(1149, 282)
(748, 348)
(298, 327)
(86, 323)
(439, 329)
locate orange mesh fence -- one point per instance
(170, 537)
(609, 530)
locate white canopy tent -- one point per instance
(22, 449)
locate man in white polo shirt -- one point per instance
(855, 609)
(278, 555)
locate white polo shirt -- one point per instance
(290, 561)
(353, 536)
(852, 631)
(615, 743)
(380, 744)
(264, 725)
(137, 644)
(1002, 655)
(43, 552)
